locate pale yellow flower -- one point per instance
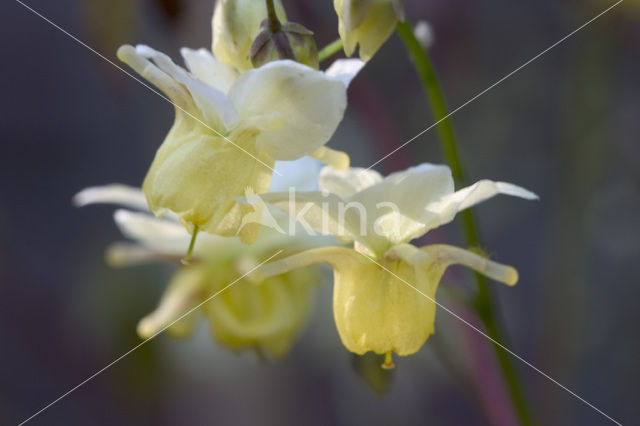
(266, 316)
(367, 23)
(385, 288)
(230, 129)
(235, 24)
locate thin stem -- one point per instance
(187, 258)
(483, 303)
(330, 49)
(274, 23)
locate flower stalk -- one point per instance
(483, 303)
(330, 49)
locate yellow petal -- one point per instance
(199, 177)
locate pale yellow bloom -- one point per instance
(230, 129)
(385, 288)
(235, 25)
(367, 23)
(266, 316)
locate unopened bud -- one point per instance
(284, 41)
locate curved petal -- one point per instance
(115, 193)
(295, 108)
(183, 294)
(444, 210)
(336, 257)
(208, 69)
(216, 108)
(446, 255)
(345, 183)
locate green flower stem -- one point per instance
(330, 49)
(482, 304)
(187, 259)
(274, 23)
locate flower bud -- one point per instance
(235, 24)
(284, 41)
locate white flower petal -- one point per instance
(124, 195)
(345, 70)
(208, 69)
(216, 108)
(345, 183)
(395, 206)
(172, 88)
(444, 210)
(156, 234)
(295, 107)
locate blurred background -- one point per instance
(565, 127)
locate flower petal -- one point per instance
(183, 294)
(216, 108)
(334, 158)
(295, 108)
(326, 214)
(124, 195)
(148, 70)
(199, 179)
(444, 210)
(208, 69)
(345, 183)
(443, 256)
(395, 206)
(344, 70)
(378, 24)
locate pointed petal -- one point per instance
(295, 108)
(124, 195)
(444, 210)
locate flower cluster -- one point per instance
(242, 111)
